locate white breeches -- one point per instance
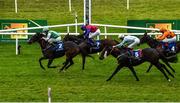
(51, 40)
(136, 41)
(169, 40)
(97, 32)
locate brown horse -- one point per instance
(153, 43)
(88, 49)
(125, 60)
(71, 49)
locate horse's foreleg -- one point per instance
(159, 67)
(83, 61)
(166, 62)
(40, 59)
(150, 66)
(65, 64)
(71, 63)
(134, 72)
(116, 70)
(49, 63)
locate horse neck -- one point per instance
(152, 42)
(115, 53)
(42, 43)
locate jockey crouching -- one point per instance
(168, 38)
(52, 37)
(128, 42)
(90, 32)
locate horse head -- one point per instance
(105, 52)
(144, 38)
(36, 38)
(153, 43)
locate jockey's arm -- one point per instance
(120, 44)
(86, 33)
(162, 36)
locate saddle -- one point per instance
(95, 46)
(133, 54)
(169, 48)
(56, 47)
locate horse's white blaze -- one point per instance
(105, 54)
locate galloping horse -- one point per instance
(153, 43)
(71, 49)
(125, 60)
(79, 39)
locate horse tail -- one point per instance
(84, 53)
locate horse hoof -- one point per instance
(169, 80)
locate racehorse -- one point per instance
(79, 39)
(153, 43)
(71, 49)
(126, 60)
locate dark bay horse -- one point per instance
(71, 49)
(153, 43)
(79, 39)
(124, 60)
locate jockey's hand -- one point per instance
(113, 46)
(46, 39)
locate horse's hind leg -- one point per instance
(167, 70)
(134, 72)
(40, 59)
(116, 70)
(159, 67)
(65, 64)
(71, 63)
(49, 64)
(166, 62)
(150, 66)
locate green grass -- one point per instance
(22, 80)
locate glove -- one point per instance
(46, 39)
(113, 46)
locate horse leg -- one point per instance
(83, 61)
(166, 62)
(116, 70)
(71, 63)
(134, 72)
(158, 65)
(167, 70)
(150, 66)
(49, 64)
(40, 59)
(65, 64)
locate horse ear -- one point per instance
(145, 33)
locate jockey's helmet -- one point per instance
(163, 29)
(45, 29)
(83, 27)
(120, 36)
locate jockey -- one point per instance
(90, 32)
(131, 41)
(167, 37)
(51, 36)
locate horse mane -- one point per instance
(152, 42)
